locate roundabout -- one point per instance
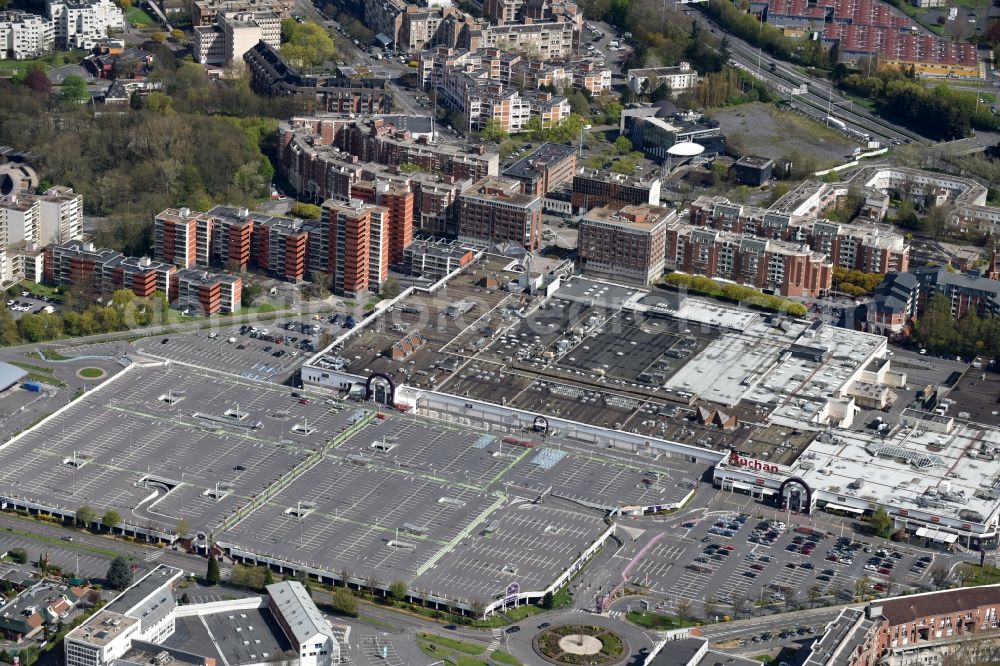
(580, 644)
(91, 373)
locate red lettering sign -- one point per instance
(760, 482)
(904, 512)
(750, 463)
(966, 526)
(935, 519)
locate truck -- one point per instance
(34, 387)
(349, 322)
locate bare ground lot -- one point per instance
(766, 130)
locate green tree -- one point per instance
(493, 131)
(305, 44)
(881, 522)
(343, 602)
(548, 601)
(578, 103)
(110, 519)
(212, 575)
(74, 90)
(622, 145)
(398, 591)
(19, 555)
(935, 328)
(268, 576)
(248, 576)
(119, 573)
(306, 211)
(85, 516)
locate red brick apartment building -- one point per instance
(175, 237)
(870, 248)
(593, 188)
(399, 200)
(544, 169)
(625, 244)
(788, 269)
(494, 211)
(914, 629)
(208, 293)
(358, 259)
(279, 247)
(77, 262)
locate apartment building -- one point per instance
(893, 305)
(385, 17)
(79, 24)
(398, 200)
(206, 12)
(199, 291)
(234, 34)
(627, 243)
(544, 40)
(870, 248)
(494, 211)
(593, 188)
(970, 292)
(342, 92)
(24, 36)
(789, 269)
(929, 629)
(483, 99)
(175, 233)
(279, 247)
(544, 169)
(53, 217)
(318, 155)
(77, 262)
(358, 259)
(677, 79)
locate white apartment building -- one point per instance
(144, 611)
(60, 216)
(678, 78)
(234, 34)
(550, 40)
(24, 36)
(79, 24)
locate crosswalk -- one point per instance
(495, 641)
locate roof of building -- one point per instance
(10, 375)
(296, 607)
(644, 217)
(913, 607)
(755, 161)
(544, 156)
(141, 593)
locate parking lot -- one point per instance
(265, 352)
(27, 303)
(732, 559)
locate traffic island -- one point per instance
(580, 644)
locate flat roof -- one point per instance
(977, 396)
(246, 636)
(544, 156)
(102, 628)
(142, 594)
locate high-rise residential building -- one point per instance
(79, 24)
(398, 199)
(279, 247)
(175, 233)
(105, 270)
(544, 169)
(19, 217)
(208, 293)
(60, 216)
(25, 36)
(494, 211)
(234, 34)
(625, 244)
(358, 250)
(206, 12)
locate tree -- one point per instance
(74, 90)
(182, 527)
(964, 574)
(881, 522)
(710, 607)
(248, 576)
(493, 131)
(343, 602)
(578, 103)
(268, 576)
(398, 591)
(935, 328)
(307, 211)
(939, 576)
(305, 44)
(36, 80)
(548, 601)
(815, 592)
(85, 515)
(683, 608)
(159, 36)
(212, 575)
(862, 585)
(110, 520)
(19, 555)
(622, 145)
(119, 573)
(177, 34)
(739, 602)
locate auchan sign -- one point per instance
(750, 463)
